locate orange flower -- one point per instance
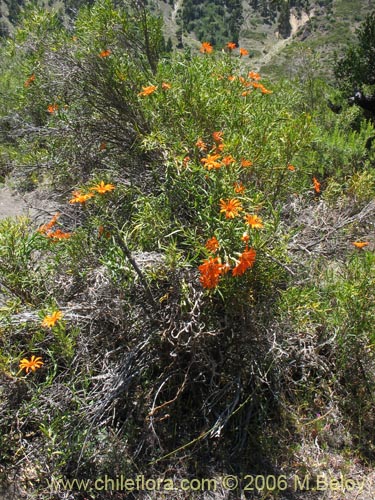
(218, 137)
(231, 78)
(201, 145)
(220, 147)
(212, 244)
(52, 319)
(59, 235)
(230, 207)
(102, 188)
(316, 185)
(246, 261)
(244, 82)
(244, 52)
(46, 227)
(265, 91)
(245, 93)
(360, 244)
(254, 221)
(246, 163)
(231, 46)
(239, 187)
(29, 81)
(257, 85)
(31, 364)
(52, 108)
(101, 232)
(254, 76)
(291, 167)
(186, 160)
(206, 48)
(166, 86)
(228, 160)
(211, 270)
(105, 53)
(103, 146)
(211, 162)
(147, 90)
(79, 197)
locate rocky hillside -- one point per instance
(282, 36)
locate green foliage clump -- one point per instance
(217, 21)
(357, 66)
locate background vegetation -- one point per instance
(203, 303)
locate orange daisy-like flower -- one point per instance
(47, 227)
(220, 147)
(230, 207)
(51, 320)
(247, 260)
(239, 187)
(58, 235)
(166, 86)
(228, 160)
(265, 91)
(201, 145)
(29, 81)
(79, 197)
(246, 163)
(206, 48)
(254, 76)
(212, 244)
(254, 221)
(231, 78)
(316, 185)
(291, 167)
(31, 364)
(218, 137)
(105, 53)
(360, 244)
(211, 162)
(52, 108)
(103, 232)
(244, 82)
(102, 188)
(243, 52)
(148, 90)
(186, 160)
(231, 46)
(211, 270)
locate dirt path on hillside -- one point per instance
(295, 23)
(37, 204)
(176, 8)
(11, 204)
